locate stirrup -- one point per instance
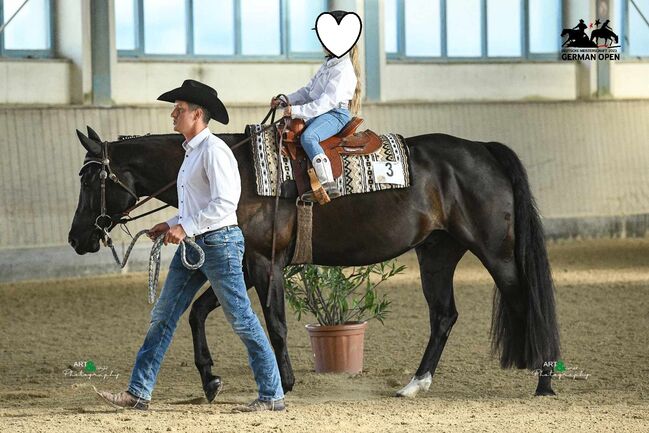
(318, 195)
(318, 192)
(332, 190)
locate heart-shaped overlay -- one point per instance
(338, 37)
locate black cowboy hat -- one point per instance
(200, 94)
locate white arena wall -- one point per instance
(137, 82)
(587, 163)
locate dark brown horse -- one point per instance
(464, 195)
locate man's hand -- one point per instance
(157, 230)
(287, 111)
(274, 102)
(175, 235)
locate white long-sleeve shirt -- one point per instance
(332, 84)
(209, 185)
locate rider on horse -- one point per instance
(325, 104)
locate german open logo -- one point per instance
(601, 44)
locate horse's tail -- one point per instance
(540, 340)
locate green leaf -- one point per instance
(369, 299)
(334, 294)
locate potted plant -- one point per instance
(342, 299)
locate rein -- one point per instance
(125, 215)
(107, 172)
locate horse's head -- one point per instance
(88, 223)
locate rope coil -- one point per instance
(154, 258)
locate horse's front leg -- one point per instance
(274, 313)
(201, 308)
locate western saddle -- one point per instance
(346, 142)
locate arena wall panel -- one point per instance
(587, 163)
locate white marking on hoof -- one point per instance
(416, 384)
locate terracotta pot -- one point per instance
(339, 348)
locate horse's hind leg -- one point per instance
(495, 248)
(438, 256)
(509, 318)
(203, 306)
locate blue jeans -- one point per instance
(223, 257)
(322, 127)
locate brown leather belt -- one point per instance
(202, 235)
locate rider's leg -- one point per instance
(319, 129)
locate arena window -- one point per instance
(29, 34)
(224, 30)
(635, 28)
(457, 30)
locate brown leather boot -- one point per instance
(123, 400)
(260, 405)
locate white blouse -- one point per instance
(334, 83)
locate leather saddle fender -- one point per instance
(346, 142)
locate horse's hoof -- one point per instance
(544, 392)
(213, 388)
(416, 384)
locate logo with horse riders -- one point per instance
(578, 45)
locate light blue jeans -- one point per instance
(223, 259)
(322, 127)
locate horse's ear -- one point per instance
(92, 134)
(91, 146)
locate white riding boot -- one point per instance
(322, 167)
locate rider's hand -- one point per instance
(175, 235)
(157, 230)
(274, 102)
(287, 111)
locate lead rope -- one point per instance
(154, 258)
(277, 194)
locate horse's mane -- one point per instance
(229, 138)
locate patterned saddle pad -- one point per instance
(384, 169)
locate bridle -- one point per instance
(104, 222)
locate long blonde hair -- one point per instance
(355, 106)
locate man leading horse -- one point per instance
(209, 188)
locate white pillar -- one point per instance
(573, 11)
(603, 10)
(344, 5)
(72, 41)
(104, 52)
(374, 49)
